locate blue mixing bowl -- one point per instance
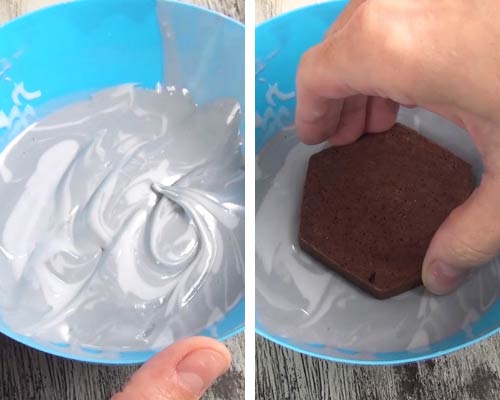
(280, 44)
(81, 47)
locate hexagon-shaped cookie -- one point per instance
(370, 209)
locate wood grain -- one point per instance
(27, 374)
(470, 374)
(265, 9)
(12, 8)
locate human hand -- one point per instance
(184, 371)
(443, 56)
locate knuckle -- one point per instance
(369, 20)
(396, 42)
(306, 65)
(311, 72)
(306, 62)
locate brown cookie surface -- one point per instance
(370, 209)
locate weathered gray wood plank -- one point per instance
(12, 8)
(5, 13)
(27, 374)
(265, 9)
(470, 374)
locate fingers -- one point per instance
(381, 114)
(184, 371)
(359, 114)
(316, 118)
(352, 121)
(364, 53)
(468, 238)
(320, 95)
(317, 115)
(346, 64)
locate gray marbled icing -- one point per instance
(122, 220)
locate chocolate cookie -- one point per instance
(370, 209)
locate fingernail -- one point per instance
(443, 278)
(197, 371)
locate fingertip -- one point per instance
(183, 371)
(307, 138)
(197, 371)
(190, 344)
(317, 113)
(468, 238)
(344, 140)
(316, 124)
(214, 344)
(440, 278)
(381, 114)
(351, 125)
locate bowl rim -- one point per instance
(133, 357)
(289, 13)
(138, 356)
(394, 362)
(345, 360)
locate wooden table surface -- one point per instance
(470, 374)
(27, 374)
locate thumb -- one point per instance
(184, 371)
(469, 237)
